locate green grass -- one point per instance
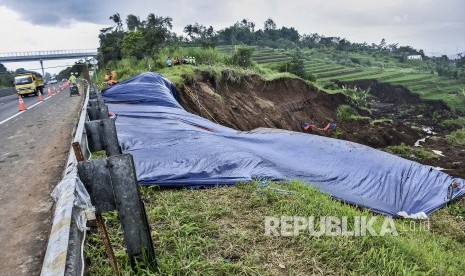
(347, 113)
(220, 231)
(381, 122)
(454, 123)
(412, 153)
(457, 138)
(214, 62)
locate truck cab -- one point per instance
(28, 82)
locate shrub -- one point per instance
(358, 96)
(347, 113)
(457, 137)
(454, 123)
(242, 56)
(412, 153)
(330, 85)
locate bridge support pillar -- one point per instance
(42, 66)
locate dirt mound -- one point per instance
(285, 103)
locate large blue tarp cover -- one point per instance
(172, 147)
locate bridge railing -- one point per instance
(46, 53)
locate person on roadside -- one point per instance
(193, 61)
(176, 61)
(169, 62)
(72, 79)
(107, 75)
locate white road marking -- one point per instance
(20, 112)
(7, 119)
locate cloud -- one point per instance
(414, 22)
(52, 13)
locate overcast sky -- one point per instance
(436, 26)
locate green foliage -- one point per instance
(348, 113)
(329, 85)
(145, 42)
(66, 73)
(412, 153)
(295, 66)
(242, 56)
(358, 95)
(381, 122)
(457, 138)
(202, 56)
(111, 39)
(134, 45)
(6, 77)
(454, 123)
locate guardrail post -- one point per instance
(131, 211)
(101, 135)
(112, 184)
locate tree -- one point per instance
(133, 22)
(110, 45)
(269, 25)
(382, 45)
(199, 33)
(189, 30)
(242, 56)
(117, 19)
(289, 34)
(156, 31)
(134, 45)
(6, 77)
(2, 68)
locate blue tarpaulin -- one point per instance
(174, 148)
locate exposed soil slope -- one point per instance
(285, 103)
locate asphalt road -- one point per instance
(9, 104)
(34, 147)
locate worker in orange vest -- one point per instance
(110, 77)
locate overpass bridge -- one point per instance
(46, 55)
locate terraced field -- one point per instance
(261, 55)
(427, 85)
(322, 64)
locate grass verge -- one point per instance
(220, 231)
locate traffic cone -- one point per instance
(41, 98)
(22, 105)
(49, 92)
(54, 90)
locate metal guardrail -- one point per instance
(107, 184)
(66, 237)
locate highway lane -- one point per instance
(9, 104)
(34, 147)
